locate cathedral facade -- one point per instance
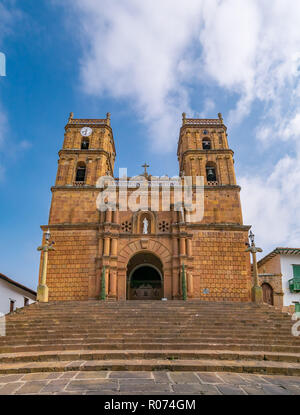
(141, 253)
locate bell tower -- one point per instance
(88, 152)
(203, 151)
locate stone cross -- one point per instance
(145, 167)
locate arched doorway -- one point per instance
(144, 277)
(268, 296)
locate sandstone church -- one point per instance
(146, 265)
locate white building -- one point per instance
(14, 295)
(278, 273)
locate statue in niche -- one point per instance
(146, 225)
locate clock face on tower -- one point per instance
(86, 131)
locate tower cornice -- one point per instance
(206, 152)
(88, 152)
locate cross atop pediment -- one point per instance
(145, 166)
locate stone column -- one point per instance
(190, 284)
(100, 247)
(175, 247)
(220, 169)
(230, 169)
(182, 247)
(97, 169)
(231, 163)
(108, 218)
(113, 284)
(193, 172)
(59, 172)
(116, 216)
(202, 171)
(70, 172)
(114, 247)
(189, 247)
(179, 217)
(121, 285)
(89, 172)
(106, 246)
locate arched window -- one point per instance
(206, 144)
(85, 144)
(80, 172)
(211, 173)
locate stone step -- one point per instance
(10, 337)
(243, 366)
(163, 320)
(152, 331)
(154, 326)
(177, 335)
(146, 354)
(162, 339)
(151, 346)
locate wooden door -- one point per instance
(268, 294)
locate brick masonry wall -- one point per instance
(74, 206)
(219, 264)
(222, 266)
(71, 264)
(79, 206)
(272, 266)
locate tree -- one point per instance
(103, 285)
(184, 293)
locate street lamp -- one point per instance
(42, 291)
(251, 237)
(256, 292)
(47, 235)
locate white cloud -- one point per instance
(138, 50)
(209, 106)
(3, 125)
(147, 52)
(9, 15)
(272, 204)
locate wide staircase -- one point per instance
(177, 336)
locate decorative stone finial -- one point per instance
(183, 118)
(220, 117)
(108, 115)
(71, 116)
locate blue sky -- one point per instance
(147, 62)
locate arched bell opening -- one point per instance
(80, 172)
(211, 173)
